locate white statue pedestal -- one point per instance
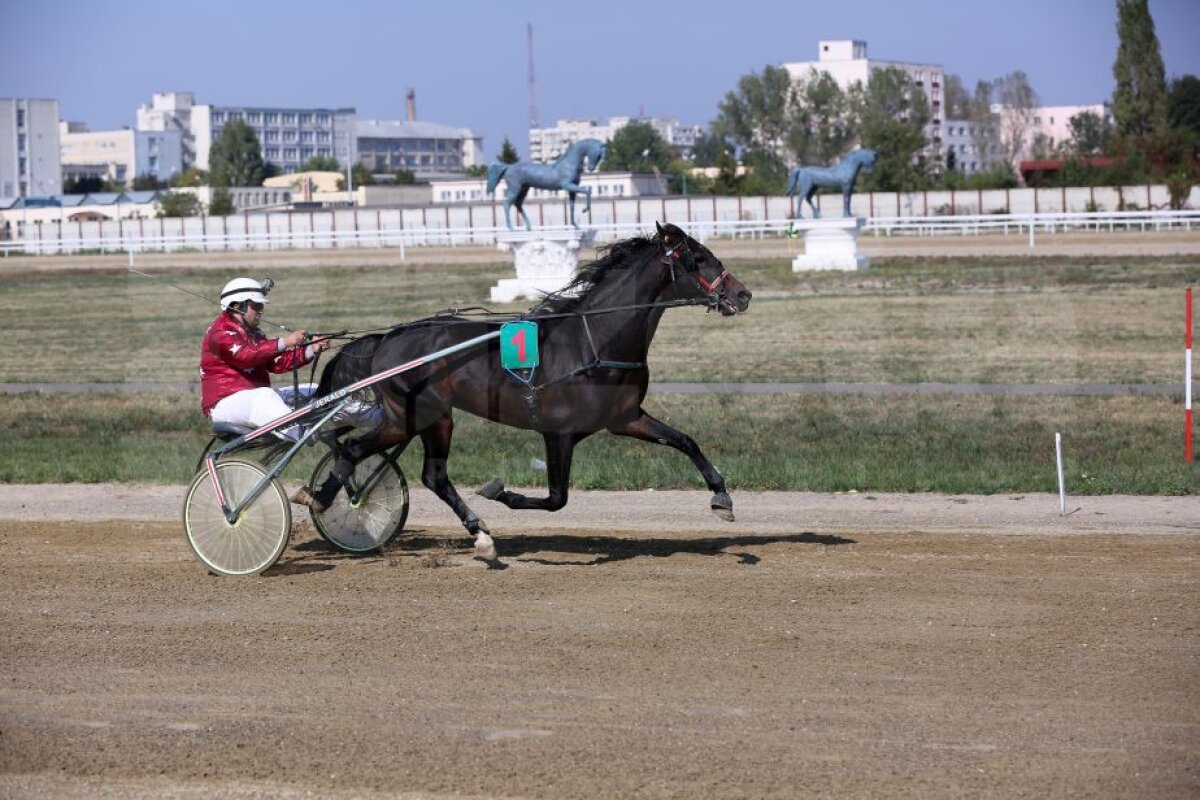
(830, 243)
(545, 261)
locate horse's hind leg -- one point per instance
(436, 439)
(649, 429)
(560, 449)
(349, 454)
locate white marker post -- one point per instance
(1187, 380)
(1062, 486)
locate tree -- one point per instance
(1140, 97)
(190, 178)
(178, 204)
(821, 128)
(1019, 103)
(85, 184)
(892, 113)
(148, 183)
(320, 164)
(957, 99)
(707, 149)
(1090, 134)
(757, 115)
(235, 158)
(638, 147)
(1183, 103)
(475, 171)
(508, 153)
(221, 204)
(985, 127)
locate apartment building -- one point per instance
(846, 61)
(29, 148)
(548, 144)
(427, 149)
(120, 155)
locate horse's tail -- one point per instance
(792, 181)
(351, 363)
(496, 171)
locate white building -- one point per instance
(427, 149)
(961, 148)
(287, 136)
(604, 185)
(171, 111)
(29, 148)
(847, 63)
(121, 155)
(547, 144)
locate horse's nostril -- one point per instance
(744, 296)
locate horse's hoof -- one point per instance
(304, 497)
(722, 506)
(485, 548)
(492, 489)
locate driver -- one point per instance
(236, 359)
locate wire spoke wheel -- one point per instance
(256, 540)
(370, 523)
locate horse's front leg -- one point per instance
(649, 429)
(519, 201)
(571, 207)
(436, 439)
(846, 200)
(560, 447)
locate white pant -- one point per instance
(253, 408)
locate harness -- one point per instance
(680, 256)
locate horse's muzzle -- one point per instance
(738, 303)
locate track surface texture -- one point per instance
(902, 646)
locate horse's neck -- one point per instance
(625, 335)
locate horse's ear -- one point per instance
(660, 228)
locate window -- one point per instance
(271, 118)
(289, 153)
(306, 119)
(289, 136)
(20, 118)
(218, 116)
(254, 118)
(306, 136)
(306, 153)
(272, 152)
(322, 119)
(289, 118)
(20, 143)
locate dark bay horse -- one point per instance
(562, 175)
(593, 339)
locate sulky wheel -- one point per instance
(370, 522)
(256, 540)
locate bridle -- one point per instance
(681, 254)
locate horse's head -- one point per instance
(594, 151)
(697, 273)
(866, 158)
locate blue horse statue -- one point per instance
(805, 181)
(562, 175)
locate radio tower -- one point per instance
(533, 117)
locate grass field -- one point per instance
(908, 320)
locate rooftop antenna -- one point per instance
(533, 115)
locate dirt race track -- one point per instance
(823, 645)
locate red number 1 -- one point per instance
(519, 340)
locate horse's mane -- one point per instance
(612, 258)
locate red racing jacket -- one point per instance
(233, 358)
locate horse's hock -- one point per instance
(545, 262)
(830, 243)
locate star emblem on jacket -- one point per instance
(234, 348)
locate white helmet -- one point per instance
(241, 289)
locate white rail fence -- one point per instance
(454, 226)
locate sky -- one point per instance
(467, 60)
